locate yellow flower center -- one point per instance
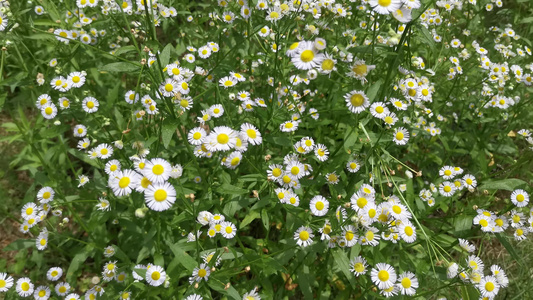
(357, 100)
(483, 223)
(319, 205)
(251, 133)
(489, 286)
(169, 87)
(229, 230)
(349, 235)
(222, 138)
(379, 109)
(295, 170)
(235, 161)
(370, 236)
(406, 283)
(155, 275)
(197, 135)
(383, 275)
(124, 182)
(397, 209)
(160, 195)
(520, 198)
(158, 169)
(307, 55)
(408, 231)
(447, 189)
(361, 202)
(42, 242)
(90, 104)
(304, 235)
(360, 70)
(276, 172)
(202, 273)
(359, 267)
(332, 178)
(400, 136)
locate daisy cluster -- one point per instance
(473, 272)
(271, 89)
(519, 219)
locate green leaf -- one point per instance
(265, 218)
(509, 248)
(463, 223)
(44, 22)
(76, 262)
(19, 245)
(279, 140)
(120, 67)
(427, 36)
(468, 292)
(231, 292)
(373, 90)
(252, 215)
(168, 130)
(182, 257)
(165, 55)
(305, 280)
(350, 138)
(342, 261)
(124, 49)
(509, 184)
(230, 189)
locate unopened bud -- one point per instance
(139, 213)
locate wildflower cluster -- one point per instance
(199, 150)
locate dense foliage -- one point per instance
(262, 149)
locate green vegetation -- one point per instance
(265, 149)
